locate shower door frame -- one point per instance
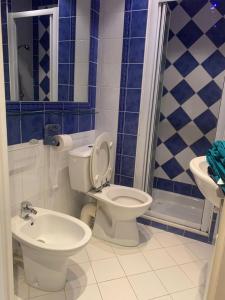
(148, 110)
(53, 14)
(6, 260)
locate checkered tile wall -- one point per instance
(193, 83)
(44, 58)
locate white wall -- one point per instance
(29, 177)
(109, 66)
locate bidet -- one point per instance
(46, 244)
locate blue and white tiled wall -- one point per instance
(24, 126)
(135, 20)
(193, 82)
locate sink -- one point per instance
(47, 240)
(211, 191)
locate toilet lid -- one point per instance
(101, 160)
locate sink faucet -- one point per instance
(26, 210)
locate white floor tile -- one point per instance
(164, 298)
(196, 271)
(36, 292)
(147, 286)
(150, 245)
(53, 296)
(107, 269)
(154, 229)
(90, 292)
(118, 289)
(201, 250)
(99, 250)
(134, 263)
(21, 289)
(80, 257)
(174, 279)
(181, 254)
(121, 250)
(192, 294)
(167, 239)
(80, 275)
(159, 259)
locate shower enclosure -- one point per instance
(184, 114)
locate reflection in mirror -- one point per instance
(32, 38)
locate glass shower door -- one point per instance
(163, 42)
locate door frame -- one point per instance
(6, 260)
(53, 13)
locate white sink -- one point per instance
(47, 241)
(211, 191)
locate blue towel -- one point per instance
(216, 160)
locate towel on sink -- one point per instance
(216, 160)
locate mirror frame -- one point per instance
(53, 14)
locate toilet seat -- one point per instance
(101, 161)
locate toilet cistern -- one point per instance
(26, 209)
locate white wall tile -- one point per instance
(113, 25)
(112, 51)
(111, 75)
(108, 99)
(83, 23)
(83, 7)
(29, 177)
(82, 51)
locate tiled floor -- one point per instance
(164, 267)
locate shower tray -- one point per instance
(176, 208)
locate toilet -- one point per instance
(90, 170)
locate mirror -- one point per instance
(53, 51)
(32, 38)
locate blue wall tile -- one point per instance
(136, 50)
(134, 79)
(214, 64)
(129, 145)
(32, 127)
(70, 123)
(127, 166)
(133, 98)
(139, 4)
(138, 23)
(127, 181)
(131, 123)
(64, 52)
(85, 123)
(64, 29)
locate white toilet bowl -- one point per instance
(47, 242)
(118, 208)
(90, 169)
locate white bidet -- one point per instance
(47, 241)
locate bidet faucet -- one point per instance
(26, 210)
